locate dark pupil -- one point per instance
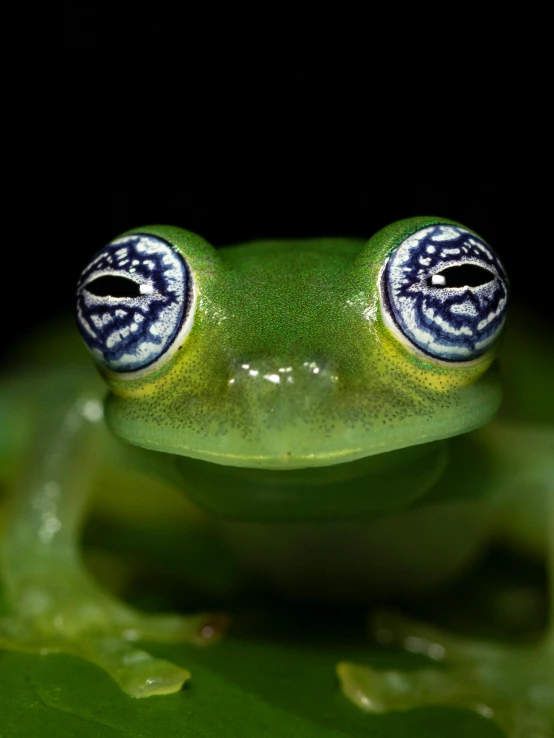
(111, 286)
(464, 275)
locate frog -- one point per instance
(332, 403)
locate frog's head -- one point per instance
(288, 355)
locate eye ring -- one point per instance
(136, 302)
(443, 295)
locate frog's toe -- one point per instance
(391, 629)
(137, 672)
(202, 629)
(380, 691)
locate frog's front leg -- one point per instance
(512, 685)
(53, 605)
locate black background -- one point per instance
(132, 117)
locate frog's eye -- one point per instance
(444, 293)
(135, 304)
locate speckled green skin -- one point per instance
(277, 409)
(281, 309)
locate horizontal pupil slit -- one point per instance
(110, 286)
(464, 275)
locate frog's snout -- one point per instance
(261, 374)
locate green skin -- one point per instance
(341, 467)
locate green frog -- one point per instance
(331, 402)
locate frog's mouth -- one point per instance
(326, 435)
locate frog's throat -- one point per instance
(368, 486)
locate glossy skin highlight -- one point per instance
(288, 405)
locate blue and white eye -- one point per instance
(135, 304)
(444, 293)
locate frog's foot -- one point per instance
(73, 615)
(513, 686)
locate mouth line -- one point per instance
(289, 461)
